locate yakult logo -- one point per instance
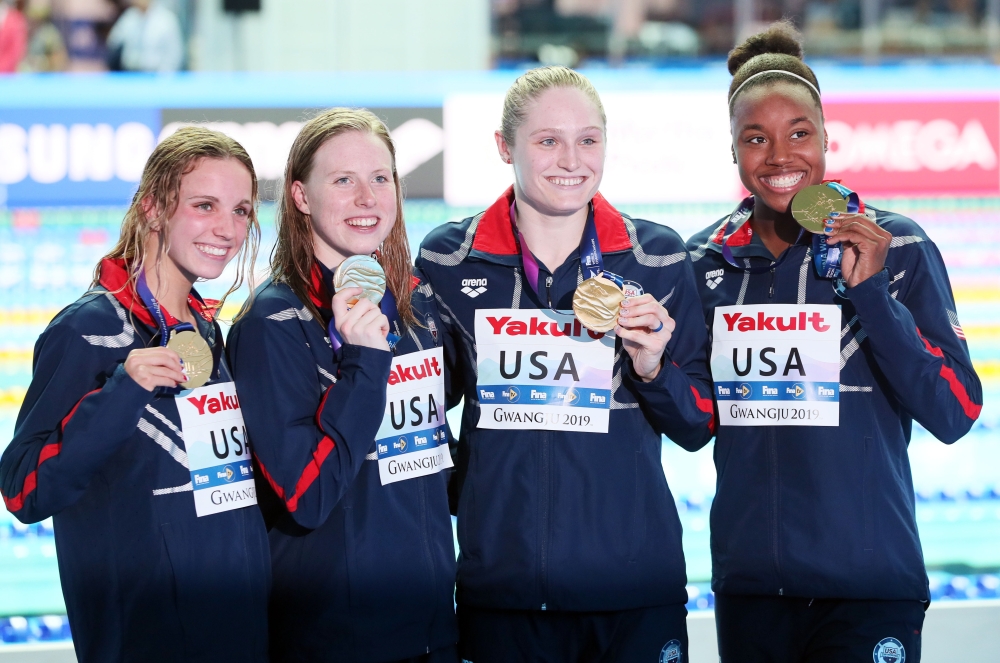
(425, 369)
(213, 405)
(538, 327)
(915, 146)
(802, 322)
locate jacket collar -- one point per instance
(114, 278)
(495, 236)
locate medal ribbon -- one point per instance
(744, 210)
(591, 258)
(154, 309)
(826, 258)
(388, 308)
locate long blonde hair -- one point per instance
(532, 83)
(159, 190)
(293, 257)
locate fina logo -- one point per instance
(800, 391)
(230, 475)
(631, 289)
(570, 397)
(671, 652)
(744, 391)
(889, 650)
(401, 444)
(511, 394)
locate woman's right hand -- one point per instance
(361, 323)
(155, 367)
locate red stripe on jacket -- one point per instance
(51, 450)
(971, 409)
(706, 406)
(311, 470)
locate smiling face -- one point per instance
(779, 140)
(349, 195)
(209, 226)
(558, 152)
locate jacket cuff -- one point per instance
(876, 285)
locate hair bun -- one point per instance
(779, 37)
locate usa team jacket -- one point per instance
(554, 520)
(143, 577)
(828, 512)
(362, 571)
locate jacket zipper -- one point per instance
(772, 452)
(548, 290)
(543, 521)
(770, 291)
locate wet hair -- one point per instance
(768, 57)
(293, 256)
(159, 191)
(532, 83)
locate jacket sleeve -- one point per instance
(309, 444)
(678, 401)
(80, 408)
(917, 348)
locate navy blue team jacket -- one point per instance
(362, 571)
(143, 577)
(554, 520)
(828, 512)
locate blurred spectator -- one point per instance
(13, 36)
(147, 37)
(46, 48)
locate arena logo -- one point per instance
(50, 153)
(915, 147)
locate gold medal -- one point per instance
(597, 302)
(361, 272)
(196, 355)
(812, 206)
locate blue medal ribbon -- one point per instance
(591, 258)
(826, 258)
(156, 312)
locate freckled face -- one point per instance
(210, 224)
(559, 151)
(779, 140)
(349, 195)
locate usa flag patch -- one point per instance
(955, 325)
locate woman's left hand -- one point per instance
(638, 318)
(864, 244)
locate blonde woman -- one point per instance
(570, 540)
(345, 405)
(160, 558)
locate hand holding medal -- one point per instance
(861, 244)
(359, 285)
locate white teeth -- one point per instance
(211, 250)
(566, 181)
(362, 223)
(784, 181)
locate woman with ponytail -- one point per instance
(118, 440)
(345, 407)
(833, 329)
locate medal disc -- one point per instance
(196, 355)
(361, 272)
(812, 206)
(597, 302)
